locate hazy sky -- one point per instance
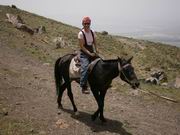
(114, 16)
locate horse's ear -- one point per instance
(129, 60)
(119, 59)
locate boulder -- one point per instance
(177, 82)
(104, 33)
(164, 84)
(157, 77)
(152, 80)
(141, 47)
(14, 6)
(60, 42)
(40, 30)
(160, 75)
(25, 28)
(14, 19)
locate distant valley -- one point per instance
(170, 39)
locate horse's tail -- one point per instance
(58, 75)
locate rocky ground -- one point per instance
(28, 105)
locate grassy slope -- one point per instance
(147, 55)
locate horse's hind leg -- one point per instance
(61, 91)
(101, 105)
(70, 94)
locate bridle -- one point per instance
(120, 68)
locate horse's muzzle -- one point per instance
(135, 85)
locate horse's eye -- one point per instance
(131, 70)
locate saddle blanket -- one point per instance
(75, 67)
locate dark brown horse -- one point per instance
(99, 79)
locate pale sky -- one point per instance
(114, 16)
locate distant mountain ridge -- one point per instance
(170, 39)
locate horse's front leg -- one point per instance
(96, 95)
(95, 115)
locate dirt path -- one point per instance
(27, 95)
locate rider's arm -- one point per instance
(81, 43)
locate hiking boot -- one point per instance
(85, 90)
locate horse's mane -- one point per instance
(110, 60)
(123, 60)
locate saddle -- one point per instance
(75, 67)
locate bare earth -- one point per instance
(27, 94)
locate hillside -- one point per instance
(26, 82)
(146, 54)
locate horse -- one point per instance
(99, 79)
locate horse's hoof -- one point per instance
(60, 107)
(76, 113)
(93, 117)
(103, 120)
(59, 112)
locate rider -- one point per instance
(88, 49)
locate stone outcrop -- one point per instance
(60, 42)
(177, 82)
(40, 30)
(18, 23)
(157, 77)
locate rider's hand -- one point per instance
(93, 55)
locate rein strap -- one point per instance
(121, 70)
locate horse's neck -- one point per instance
(111, 68)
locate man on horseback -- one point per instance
(88, 51)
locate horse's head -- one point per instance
(126, 72)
